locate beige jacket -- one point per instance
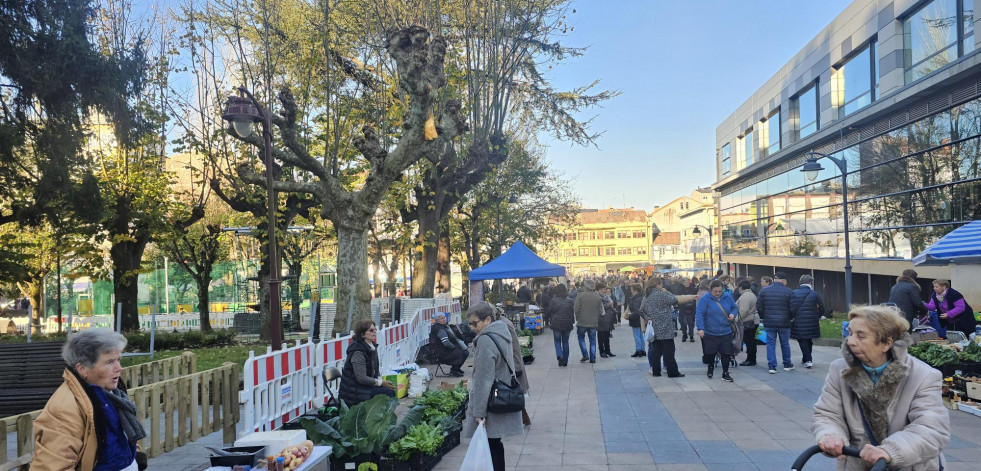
(64, 433)
(904, 410)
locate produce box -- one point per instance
(401, 382)
(274, 441)
(917, 337)
(969, 408)
(973, 391)
(448, 386)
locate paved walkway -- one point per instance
(613, 415)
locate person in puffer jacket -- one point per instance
(807, 307)
(773, 304)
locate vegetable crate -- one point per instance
(351, 463)
(416, 462)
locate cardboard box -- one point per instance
(447, 386)
(923, 336)
(401, 382)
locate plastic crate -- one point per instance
(351, 463)
(450, 441)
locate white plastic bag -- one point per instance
(478, 457)
(649, 333)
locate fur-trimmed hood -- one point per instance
(875, 398)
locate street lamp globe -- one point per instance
(242, 114)
(811, 168)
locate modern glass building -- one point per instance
(893, 89)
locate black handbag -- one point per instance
(505, 398)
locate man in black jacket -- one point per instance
(807, 308)
(448, 347)
(773, 304)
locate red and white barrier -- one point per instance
(280, 386)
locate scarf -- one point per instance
(132, 426)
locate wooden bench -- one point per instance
(29, 374)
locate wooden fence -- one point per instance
(160, 370)
(181, 410)
(175, 412)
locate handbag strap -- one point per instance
(865, 424)
(499, 349)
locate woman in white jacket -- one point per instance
(881, 400)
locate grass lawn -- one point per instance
(831, 328)
(208, 358)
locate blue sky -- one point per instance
(682, 66)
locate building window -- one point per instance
(930, 36)
(807, 109)
(623, 235)
(583, 251)
(746, 146)
(570, 253)
(641, 251)
(608, 234)
(856, 81)
(639, 234)
(726, 155)
(770, 133)
(609, 250)
(623, 250)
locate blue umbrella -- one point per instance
(962, 246)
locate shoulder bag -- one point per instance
(505, 398)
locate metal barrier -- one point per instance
(280, 386)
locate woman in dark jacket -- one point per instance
(953, 310)
(361, 377)
(905, 294)
(686, 311)
(604, 327)
(634, 305)
(561, 318)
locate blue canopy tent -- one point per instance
(962, 247)
(518, 262)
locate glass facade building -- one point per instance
(893, 90)
(907, 187)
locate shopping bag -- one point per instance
(649, 333)
(478, 457)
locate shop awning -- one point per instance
(962, 247)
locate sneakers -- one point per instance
(808, 364)
(583, 359)
(788, 368)
(726, 377)
(773, 371)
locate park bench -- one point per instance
(29, 374)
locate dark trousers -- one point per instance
(749, 337)
(806, 347)
(662, 348)
(687, 324)
(603, 338)
(497, 453)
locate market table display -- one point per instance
(317, 460)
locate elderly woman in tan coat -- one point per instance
(881, 400)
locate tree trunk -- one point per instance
(204, 311)
(126, 257)
(35, 293)
(375, 267)
(427, 244)
(444, 282)
(353, 293)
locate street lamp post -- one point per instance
(766, 237)
(711, 248)
(811, 169)
(242, 112)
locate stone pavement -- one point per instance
(614, 415)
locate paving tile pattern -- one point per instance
(613, 415)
